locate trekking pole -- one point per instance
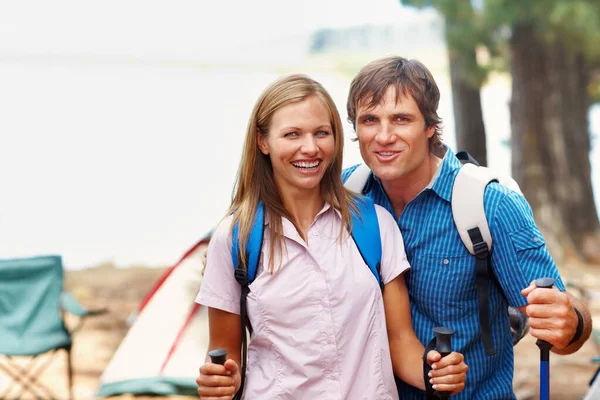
(443, 345)
(545, 283)
(218, 356)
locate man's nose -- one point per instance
(385, 135)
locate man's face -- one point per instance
(393, 138)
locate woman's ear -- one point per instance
(262, 143)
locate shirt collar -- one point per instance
(444, 176)
(326, 207)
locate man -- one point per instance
(393, 106)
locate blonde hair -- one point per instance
(254, 181)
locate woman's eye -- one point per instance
(290, 134)
(322, 133)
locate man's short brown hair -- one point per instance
(409, 77)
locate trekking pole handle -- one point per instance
(218, 356)
(544, 283)
(443, 345)
(443, 340)
(544, 346)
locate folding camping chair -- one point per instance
(32, 302)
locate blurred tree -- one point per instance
(463, 33)
(551, 49)
(553, 52)
(319, 40)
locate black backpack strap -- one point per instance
(482, 269)
(466, 158)
(242, 278)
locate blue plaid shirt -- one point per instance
(441, 281)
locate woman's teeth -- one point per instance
(306, 164)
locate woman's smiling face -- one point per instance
(300, 144)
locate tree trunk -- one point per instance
(468, 117)
(572, 77)
(466, 99)
(550, 139)
(574, 87)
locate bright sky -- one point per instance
(122, 120)
(116, 143)
(175, 28)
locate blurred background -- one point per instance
(122, 122)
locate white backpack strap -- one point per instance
(509, 183)
(357, 180)
(469, 217)
(467, 203)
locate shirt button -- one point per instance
(446, 261)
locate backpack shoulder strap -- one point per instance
(365, 232)
(470, 220)
(469, 217)
(365, 226)
(358, 178)
(253, 247)
(467, 203)
(245, 278)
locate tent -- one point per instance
(167, 342)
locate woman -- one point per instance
(318, 319)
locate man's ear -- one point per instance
(430, 130)
(262, 143)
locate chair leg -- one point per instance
(21, 378)
(70, 372)
(17, 380)
(28, 380)
(26, 377)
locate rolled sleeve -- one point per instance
(219, 288)
(519, 252)
(393, 256)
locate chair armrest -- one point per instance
(69, 304)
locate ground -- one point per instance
(120, 290)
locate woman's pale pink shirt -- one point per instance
(319, 323)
